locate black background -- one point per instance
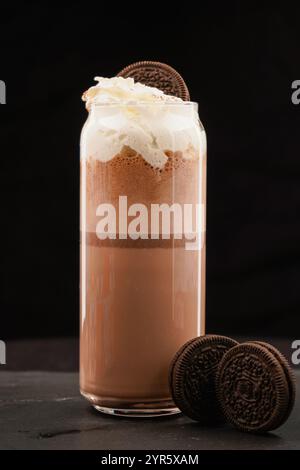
(239, 62)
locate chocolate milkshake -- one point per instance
(143, 171)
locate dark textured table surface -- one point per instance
(44, 410)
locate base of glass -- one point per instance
(134, 408)
(133, 413)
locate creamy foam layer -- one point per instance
(125, 113)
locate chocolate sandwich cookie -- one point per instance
(289, 375)
(192, 377)
(158, 75)
(254, 387)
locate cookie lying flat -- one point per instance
(192, 377)
(255, 387)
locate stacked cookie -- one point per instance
(215, 379)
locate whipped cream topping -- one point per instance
(143, 118)
(125, 90)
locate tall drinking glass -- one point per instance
(143, 187)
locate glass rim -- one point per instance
(146, 103)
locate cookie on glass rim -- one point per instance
(157, 75)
